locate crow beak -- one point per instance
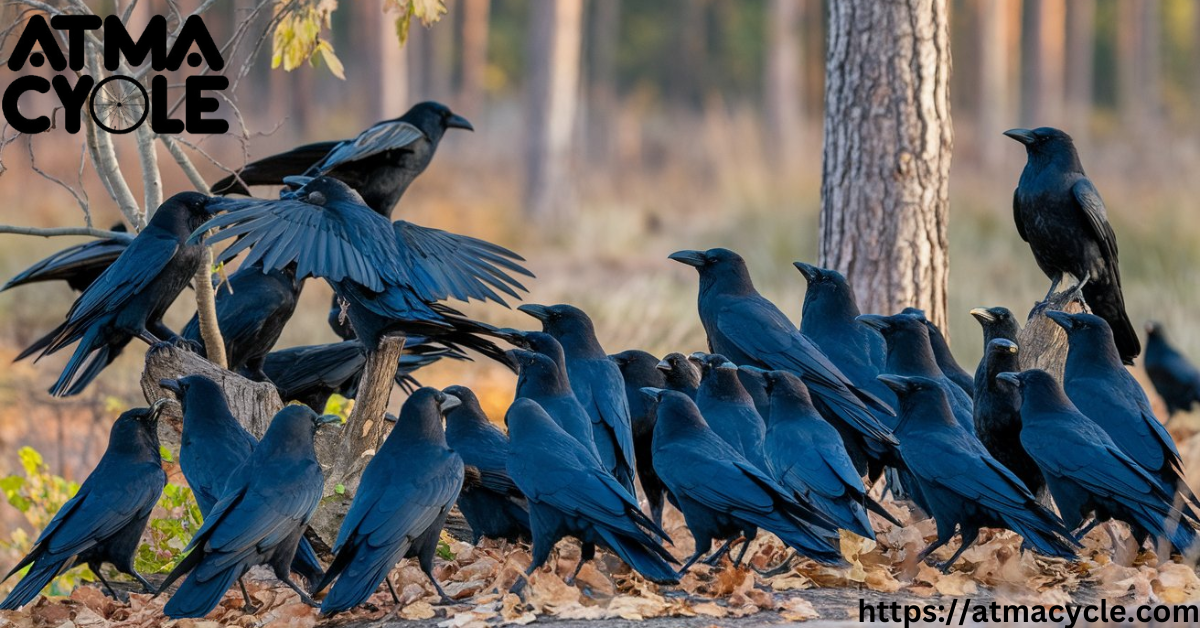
(691, 258)
(1151, 327)
(753, 370)
(663, 365)
(326, 419)
(1024, 136)
(1006, 344)
(539, 312)
(390, 418)
(1063, 319)
(296, 182)
(156, 409)
(727, 366)
(874, 321)
(653, 393)
(512, 336)
(1012, 378)
(897, 383)
(449, 403)
(172, 385)
(697, 358)
(456, 121)
(982, 315)
(809, 271)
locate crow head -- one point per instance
(433, 118)
(561, 321)
(1045, 145)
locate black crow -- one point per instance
(1105, 392)
(749, 330)
(212, 448)
(103, 522)
(805, 454)
(998, 415)
(597, 384)
(129, 298)
(379, 164)
(910, 354)
(570, 494)
(311, 374)
(406, 491)
(680, 374)
(543, 381)
(491, 503)
(828, 319)
(252, 308)
(722, 495)
(391, 275)
(1087, 472)
(640, 370)
(1173, 376)
(258, 519)
(997, 322)
(1059, 212)
(752, 380)
(965, 487)
(942, 354)
(78, 265)
(728, 409)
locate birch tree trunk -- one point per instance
(884, 190)
(553, 86)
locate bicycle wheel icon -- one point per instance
(119, 104)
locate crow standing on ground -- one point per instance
(129, 298)
(1059, 212)
(722, 495)
(104, 522)
(640, 370)
(752, 380)
(252, 308)
(997, 322)
(78, 265)
(1087, 472)
(259, 518)
(828, 319)
(749, 330)
(491, 503)
(406, 491)
(806, 455)
(942, 354)
(391, 275)
(966, 487)
(212, 447)
(728, 409)
(542, 381)
(1105, 392)
(998, 415)
(1173, 376)
(379, 164)
(680, 374)
(570, 494)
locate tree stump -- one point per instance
(1042, 343)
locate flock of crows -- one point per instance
(774, 428)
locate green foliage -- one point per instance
(167, 536)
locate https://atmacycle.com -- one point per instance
(964, 611)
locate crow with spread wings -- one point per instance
(391, 275)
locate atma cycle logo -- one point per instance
(118, 103)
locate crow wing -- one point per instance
(382, 137)
(92, 256)
(441, 264)
(272, 170)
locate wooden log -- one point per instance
(1042, 343)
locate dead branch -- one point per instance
(1042, 343)
(50, 232)
(151, 175)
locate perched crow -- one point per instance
(966, 487)
(491, 503)
(379, 164)
(828, 319)
(78, 265)
(728, 409)
(541, 380)
(1098, 384)
(1087, 472)
(640, 370)
(1059, 212)
(212, 448)
(406, 491)
(252, 308)
(998, 415)
(1173, 376)
(311, 374)
(129, 298)
(392, 275)
(749, 330)
(722, 495)
(258, 519)
(597, 384)
(997, 322)
(806, 455)
(103, 523)
(570, 494)
(942, 354)
(910, 354)
(680, 374)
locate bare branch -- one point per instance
(104, 158)
(206, 311)
(151, 175)
(83, 204)
(50, 232)
(185, 163)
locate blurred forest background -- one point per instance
(663, 125)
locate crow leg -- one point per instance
(1057, 279)
(715, 559)
(148, 338)
(931, 548)
(446, 599)
(783, 567)
(745, 547)
(968, 539)
(391, 589)
(304, 597)
(586, 553)
(108, 587)
(1082, 532)
(247, 605)
(146, 586)
(690, 561)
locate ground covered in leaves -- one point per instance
(478, 579)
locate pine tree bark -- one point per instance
(888, 139)
(553, 84)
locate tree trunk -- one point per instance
(884, 190)
(783, 95)
(1138, 86)
(995, 112)
(1081, 32)
(553, 83)
(1042, 343)
(474, 55)
(391, 99)
(602, 81)
(1044, 53)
